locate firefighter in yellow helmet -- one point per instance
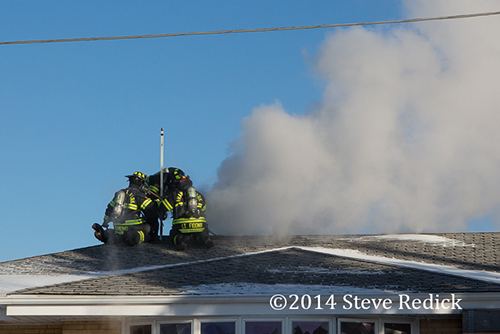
(188, 208)
(128, 211)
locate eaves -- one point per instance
(188, 306)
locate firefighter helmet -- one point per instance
(178, 178)
(137, 176)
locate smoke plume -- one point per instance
(405, 139)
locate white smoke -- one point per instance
(406, 139)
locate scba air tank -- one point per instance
(192, 200)
(118, 205)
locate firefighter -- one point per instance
(128, 211)
(188, 208)
(169, 174)
(153, 189)
(153, 182)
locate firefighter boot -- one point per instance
(208, 241)
(204, 239)
(181, 240)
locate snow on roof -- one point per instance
(434, 240)
(315, 270)
(271, 289)
(10, 283)
(492, 277)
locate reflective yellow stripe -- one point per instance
(189, 220)
(146, 203)
(190, 225)
(193, 227)
(121, 228)
(141, 236)
(167, 205)
(131, 222)
(134, 221)
(191, 230)
(131, 206)
(154, 189)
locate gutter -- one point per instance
(190, 305)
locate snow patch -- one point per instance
(431, 240)
(268, 289)
(11, 283)
(485, 276)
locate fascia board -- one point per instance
(112, 300)
(3, 314)
(136, 306)
(221, 305)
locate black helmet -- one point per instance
(178, 178)
(137, 176)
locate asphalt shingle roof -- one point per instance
(287, 266)
(223, 264)
(476, 251)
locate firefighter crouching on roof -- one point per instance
(153, 191)
(188, 208)
(128, 211)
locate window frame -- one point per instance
(332, 329)
(180, 321)
(126, 325)
(413, 322)
(237, 323)
(375, 321)
(244, 320)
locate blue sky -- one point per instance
(76, 117)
